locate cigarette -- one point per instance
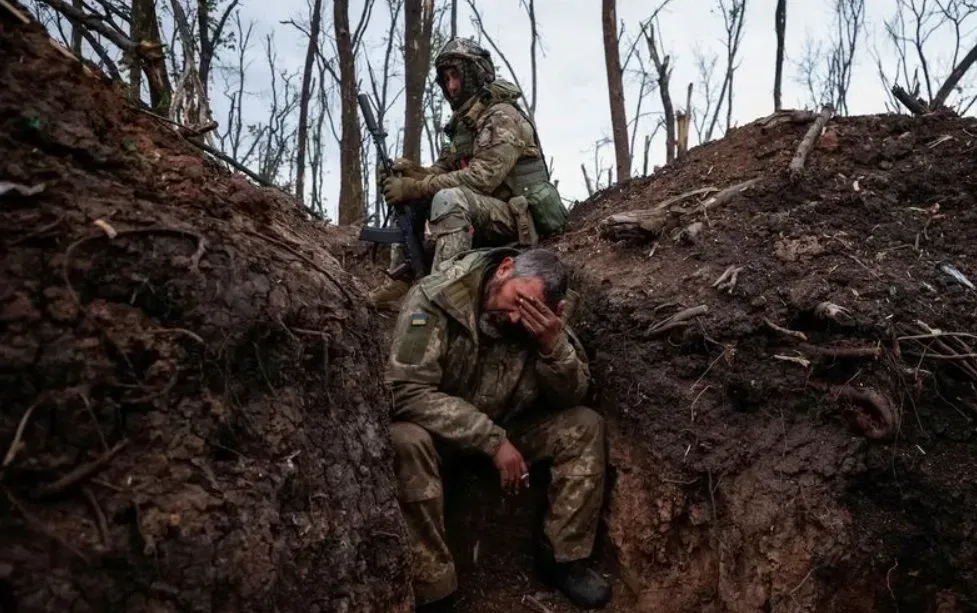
(525, 476)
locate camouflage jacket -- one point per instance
(488, 136)
(461, 385)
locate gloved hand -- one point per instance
(402, 167)
(405, 167)
(401, 189)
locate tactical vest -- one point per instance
(529, 177)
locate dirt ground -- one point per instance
(750, 475)
(192, 416)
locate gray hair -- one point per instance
(546, 265)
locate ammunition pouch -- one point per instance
(530, 180)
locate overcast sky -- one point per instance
(573, 110)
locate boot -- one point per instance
(583, 586)
(387, 297)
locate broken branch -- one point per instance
(810, 138)
(678, 320)
(785, 331)
(910, 102)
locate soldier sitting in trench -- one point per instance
(481, 363)
(489, 186)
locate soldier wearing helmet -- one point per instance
(490, 185)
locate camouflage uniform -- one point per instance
(472, 185)
(494, 389)
(476, 187)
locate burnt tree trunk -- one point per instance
(144, 31)
(303, 131)
(418, 24)
(615, 89)
(350, 164)
(780, 25)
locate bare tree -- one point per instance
(351, 195)
(706, 69)
(734, 18)
(528, 100)
(310, 54)
(780, 27)
(418, 24)
(615, 89)
(661, 61)
(909, 32)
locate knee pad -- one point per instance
(449, 211)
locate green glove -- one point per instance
(402, 189)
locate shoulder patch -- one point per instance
(415, 338)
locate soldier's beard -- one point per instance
(496, 324)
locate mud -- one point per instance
(193, 416)
(747, 482)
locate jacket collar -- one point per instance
(458, 289)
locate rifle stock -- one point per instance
(406, 228)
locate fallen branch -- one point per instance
(16, 13)
(15, 444)
(727, 281)
(721, 198)
(103, 526)
(678, 320)
(785, 331)
(782, 117)
(810, 138)
(909, 101)
(237, 165)
(80, 473)
(843, 351)
(534, 604)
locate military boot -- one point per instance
(582, 585)
(387, 297)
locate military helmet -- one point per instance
(473, 63)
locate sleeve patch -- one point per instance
(415, 338)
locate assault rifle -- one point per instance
(409, 230)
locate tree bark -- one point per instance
(350, 165)
(780, 25)
(418, 24)
(146, 36)
(454, 18)
(953, 79)
(303, 132)
(76, 31)
(615, 89)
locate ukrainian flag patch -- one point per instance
(419, 319)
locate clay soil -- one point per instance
(752, 473)
(191, 410)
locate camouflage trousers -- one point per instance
(572, 439)
(462, 218)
